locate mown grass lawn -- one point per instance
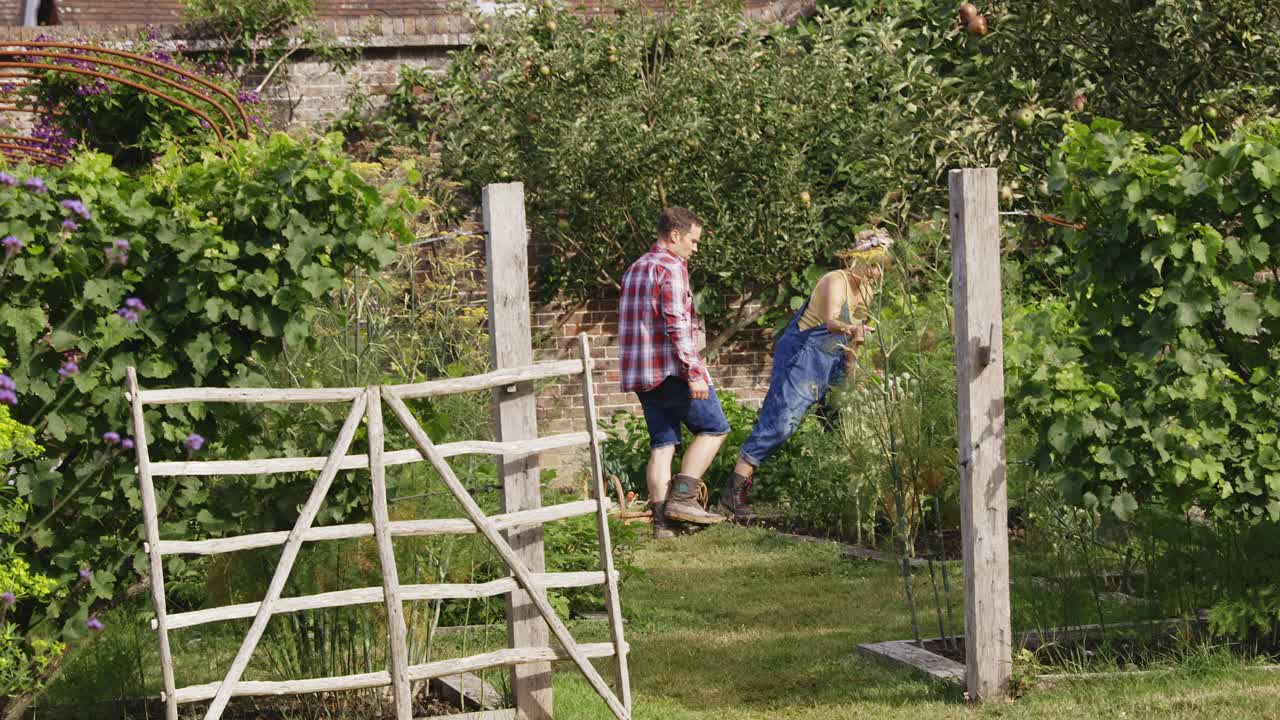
(731, 623)
(738, 623)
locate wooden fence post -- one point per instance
(984, 505)
(515, 418)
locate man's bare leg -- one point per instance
(701, 452)
(658, 472)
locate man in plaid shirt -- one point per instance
(659, 343)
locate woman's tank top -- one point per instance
(813, 315)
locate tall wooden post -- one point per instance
(515, 417)
(984, 504)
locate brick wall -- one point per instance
(11, 12)
(119, 12)
(163, 12)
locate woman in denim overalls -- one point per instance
(809, 359)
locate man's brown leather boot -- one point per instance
(682, 503)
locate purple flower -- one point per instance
(70, 225)
(204, 124)
(69, 368)
(193, 442)
(95, 625)
(76, 207)
(126, 444)
(128, 315)
(8, 598)
(7, 383)
(118, 251)
(35, 184)
(7, 179)
(8, 397)
(12, 246)
(134, 303)
(111, 437)
(86, 574)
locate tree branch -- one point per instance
(276, 67)
(747, 314)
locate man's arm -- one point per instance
(680, 328)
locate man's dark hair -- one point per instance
(677, 218)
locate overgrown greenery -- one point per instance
(766, 132)
(1163, 389)
(196, 273)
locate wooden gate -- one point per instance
(367, 403)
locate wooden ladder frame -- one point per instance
(367, 403)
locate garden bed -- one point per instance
(1082, 651)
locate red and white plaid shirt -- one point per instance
(657, 326)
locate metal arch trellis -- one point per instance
(24, 62)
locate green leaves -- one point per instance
(25, 322)
(1176, 333)
(209, 293)
(1242, 312)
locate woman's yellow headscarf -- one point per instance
(870, 248)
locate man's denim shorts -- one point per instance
(670, 404)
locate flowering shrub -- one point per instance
(194, 273)
(21, 659)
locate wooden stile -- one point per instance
(526, 579)
(975, 258)
(287, 558)
(612, 605)
(397, 634)
(399, 675)
(151, 522)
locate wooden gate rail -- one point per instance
(367, 403)
(269, 466)
(426, 671)
(365, 596)
(412, 391)
(399, 528)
